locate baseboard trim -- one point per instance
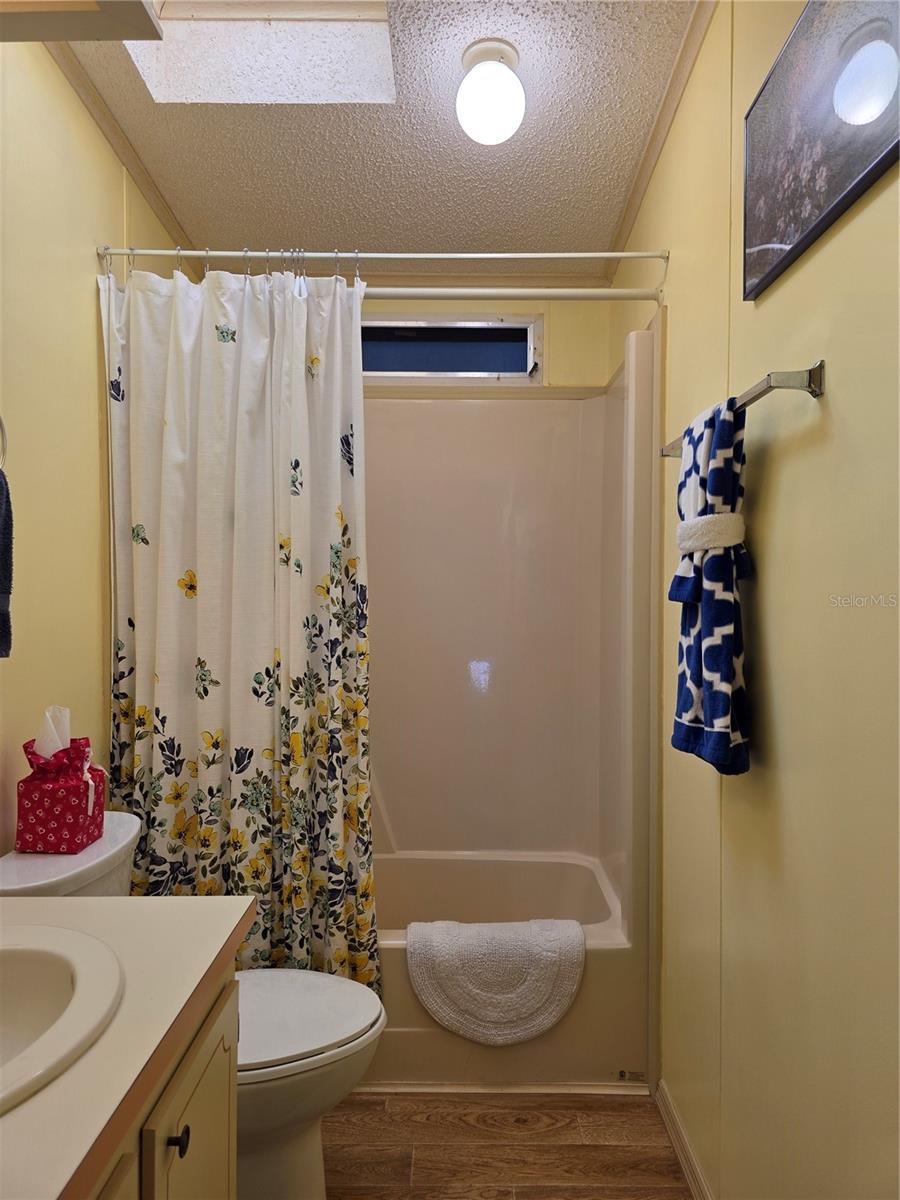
(690, 1164)
(566, 1089)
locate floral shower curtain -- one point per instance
(240, 672)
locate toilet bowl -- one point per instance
(305, 1041)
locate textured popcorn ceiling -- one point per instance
(404, 176)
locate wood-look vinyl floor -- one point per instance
(503, 1146)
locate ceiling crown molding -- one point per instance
(681, 71)
(64, 57)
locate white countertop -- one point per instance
(165, 946)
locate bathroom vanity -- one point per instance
(149, 1109)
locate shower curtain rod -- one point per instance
(294, 257)
(179, 252)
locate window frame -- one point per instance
(532, 322)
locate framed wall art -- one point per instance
(822, 128)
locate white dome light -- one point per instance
(867, 84)
(490, 103)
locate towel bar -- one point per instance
(811, 380)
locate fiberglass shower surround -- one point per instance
(510, 560)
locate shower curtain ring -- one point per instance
(337, 263)
(177, 258)
(268, 272)
(107, 261)
(302, 262)
(246, 262)
(206, 263)
(357, 264)
(130, 261)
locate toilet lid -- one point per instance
(288, 1015)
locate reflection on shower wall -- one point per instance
(496, 558)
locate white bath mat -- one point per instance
(496, 984)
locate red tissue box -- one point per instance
(56, 814)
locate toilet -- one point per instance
(101, 869)
(305, 1041)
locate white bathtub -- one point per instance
(600, 1040)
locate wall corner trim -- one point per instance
(681, 73)
(80, 82)
(690, 1164)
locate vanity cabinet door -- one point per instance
(189, 1141)
(124, 1182)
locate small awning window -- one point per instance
(482, 350)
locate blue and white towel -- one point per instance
(6, 566)
(711, 704)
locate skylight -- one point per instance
(268, 62)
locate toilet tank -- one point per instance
(101, 869)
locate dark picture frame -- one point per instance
(804, 164)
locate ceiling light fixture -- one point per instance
(490, 103)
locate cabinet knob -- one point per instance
(181, 1142)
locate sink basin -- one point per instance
(59, 990)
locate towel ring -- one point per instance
(3, 443)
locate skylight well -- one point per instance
(245, 52)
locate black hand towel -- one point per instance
(6, 540)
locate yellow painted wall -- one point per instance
(779, 980)
(63, 192)
(686, 210)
